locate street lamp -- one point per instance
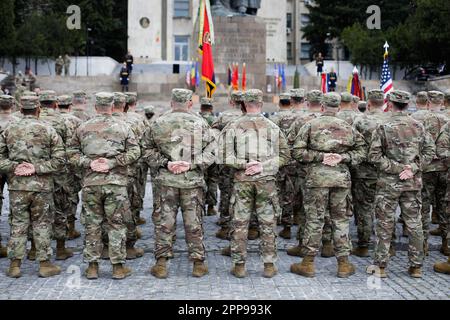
(87, 49)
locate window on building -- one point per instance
(289, 50)
(181, 48)
(289, 20)
(305, 51)
(181, 9)
(304, 19)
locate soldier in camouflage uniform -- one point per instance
(284, 119)
(366, 175)
(72, 183)
(30, 152)
(434, 175)
(329, 146)
(255, 188)
(314, 103)
(79, 106)
(443, 152)
(212, 176)
(181, 166)
(6, 105)
(400, 148)
(226, 174)
(140, 122)
(346, 109)
(61, 193)
(105, 147)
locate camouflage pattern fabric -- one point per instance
(443, 152)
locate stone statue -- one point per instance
(235, 7)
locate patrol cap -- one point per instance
(253, 95)
(131, 97)
(104, 99)
(65, 100)
(332, 100)
(362, 105)
(447, 95)
(6, 100)
(314, 96)
(237, 96)
(356, 99)
(422, 97)
(30, 93)
(182, 95)
(29, 102)
(149, 109)
(436, 97)
(375, 95)
(285, 96)
(400, 96)
(206, 101)
(119, 97)
(48, 95)
(346, 97)
(297, 93)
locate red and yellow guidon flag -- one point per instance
(206, 41)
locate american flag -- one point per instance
(386, 80)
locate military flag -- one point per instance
(325, 82)
(296, 78)
(354, 85)
(206, 41)
(386, 83)
(230, 76)
(235, 81)
(244, 77)
(283, 78)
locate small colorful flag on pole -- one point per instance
(325, 81)
(188, 76)
(283, 78)
(193, 80)
(386, 83)
(356, 87)
(230, 76)
(206, 41)
(244, 77)
(235, 77)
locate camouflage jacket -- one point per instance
(54, 119)
(433, 123)
(348, 116)
(6, 119)
(401, 141)
(328, 134)
(83, 115)
(253, 138)
(208, 116)
(33, 141)
(72, 121)
(138, 122)
(366, 124)
(284, 120)
(301, 118)
(179, 136)
(443, 144)
(225, 118)
(104, 137)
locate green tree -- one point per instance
(7, 29)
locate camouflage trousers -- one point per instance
(261, 198)
(434, 194)
(155, 189)
(105, 207)
(327, 228)
(141, 183)
(364, 205)
(2, 187)
(35, 210)
(226, 180)
(337, 201)
(386, 202)
(190, 201)
(211, 179)
(286, 194)
(62, 206)
(74, 199)
(445, 228)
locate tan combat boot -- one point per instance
(285, 233)
(296, 251)
(140, 221)
(14, 269)
(134, 253)
(62, 253)
(159, 270)
(253, 234)
(32, 253)
(120, 271)
(138, 233)
(92, 271)
(223, 233)
(238, 270)
(377, 271)
(436, 232)
(226, 251)
(47, 269)
(327, 249)
(415, 272)
(105, 252)
(3, 251)
(443, 267)
(270, 270)
(362, 252)
(200, 269)
(305, 268)
(345, 268)
(444, 248)
(72, 232)
(211, 211)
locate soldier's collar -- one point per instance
(329, 113)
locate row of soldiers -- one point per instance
(256, 159)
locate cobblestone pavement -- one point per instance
(219, 284)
